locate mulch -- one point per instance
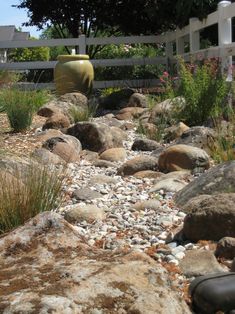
(20, 144)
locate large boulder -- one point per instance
(72, 277)
(64, 104)
(210, 217)
(178, 157)
(137, 164)
(65, 146)
(198, 136)
(219, 179)
(165, 109)
(96, 137)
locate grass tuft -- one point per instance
(28, 193)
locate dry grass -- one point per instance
(29, 191)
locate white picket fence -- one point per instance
(189, 34)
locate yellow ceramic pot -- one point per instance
(73, 73)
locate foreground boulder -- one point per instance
(73, 277)
(96, 137)
(210, 217)
(219, 179)
(178, 157)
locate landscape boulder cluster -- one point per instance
(140, 219)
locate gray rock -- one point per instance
(86, 193)
(102, 179)
(168, 185)
(143, 144)
(45, 157)
(210, 217)
(198, 136)
(95, 136)
(219, 179)
(138, 100)
(198, 263)
(137, 164)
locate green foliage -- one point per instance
(223, 148)
(28, 193)
(8, 77)
(29, 54)
(20, 106)
(128, 72)
(108, 91)
(204, 90)
(79, 114)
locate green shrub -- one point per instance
(20, 106)
(128, 72)
(204, 89)
(224, 145)
(28, 193)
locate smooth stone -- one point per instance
(89, 213)
(86, 193)
(198, 263)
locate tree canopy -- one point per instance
(112, 16)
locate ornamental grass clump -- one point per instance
(28, 191)
(20, 106)
(204, 89)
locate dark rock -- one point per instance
(226, 248)
(219, 179)
(143, 144)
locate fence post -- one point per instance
(194, 36)
(179, 45)
(169, 54)
(82, 44)
(225, 37)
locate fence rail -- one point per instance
(189, 34)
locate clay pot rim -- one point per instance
(72, 57)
